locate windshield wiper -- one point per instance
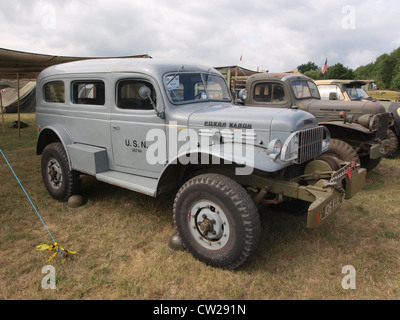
(180, 69)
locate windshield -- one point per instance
(357, 94)
(191, 87)
(303, 89)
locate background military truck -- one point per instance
(152, 126)
(383, 95)
(358, 129)
(353, 90)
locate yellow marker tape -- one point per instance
(56, 247)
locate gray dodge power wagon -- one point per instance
(154, 126)
(359, 130)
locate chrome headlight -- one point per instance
(274, 148)
(243, 94)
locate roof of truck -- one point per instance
(277, 76)
(138, 65)
(340, 81)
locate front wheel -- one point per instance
(342, 151)
(393, 144)
(217, 220)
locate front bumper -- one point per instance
(323, 189)
(379, 150)
(329, 196)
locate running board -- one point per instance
(132, 182)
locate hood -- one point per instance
(248, 117)
(334, 107)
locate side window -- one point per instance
(128, 95)
(269, 92)
(54, 92)
(88, 92)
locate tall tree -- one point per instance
(309, 66)
(339, 71)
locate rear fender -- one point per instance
(51, 134)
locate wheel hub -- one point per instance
(208, 225)
(55, 173)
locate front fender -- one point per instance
(340, 124)
(247, 155)
(245, 158)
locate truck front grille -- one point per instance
(304, 145)
(310, 144)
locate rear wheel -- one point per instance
(59, 180)
(217, 220)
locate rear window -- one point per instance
(88, 92)
(54, 92)
(269, 92)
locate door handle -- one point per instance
(115, 127)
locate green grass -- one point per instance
(122, 242)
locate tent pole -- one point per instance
(19, 118)
(2, 111)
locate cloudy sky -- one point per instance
(269, 35)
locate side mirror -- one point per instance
(144, 92)
(243, 94)
(332, 96)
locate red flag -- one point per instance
(241, 57)
(326, 67)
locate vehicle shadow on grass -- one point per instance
(96, 191)
(284, 240)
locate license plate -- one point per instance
(331, 206)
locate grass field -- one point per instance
(122, 242)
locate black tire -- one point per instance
(217, 220)
(342, 151)
(393, 145)
(370, 164)
(60, 181)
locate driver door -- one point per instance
(132, 118)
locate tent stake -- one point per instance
(2, 112)
(19, 126)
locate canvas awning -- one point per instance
(28, 65)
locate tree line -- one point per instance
(385, 71)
